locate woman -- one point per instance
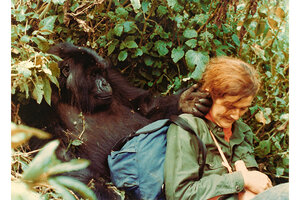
(232, 85)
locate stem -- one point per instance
(211, 17)
(145, 23)
(45, 10)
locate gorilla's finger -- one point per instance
(194, 95)
(191, 90)
(203, 109)
(206, 102)
(203, 94)
(197, 113)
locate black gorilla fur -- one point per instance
(111, 109)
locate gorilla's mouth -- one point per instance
(103, 97)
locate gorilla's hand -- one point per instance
(195, 102)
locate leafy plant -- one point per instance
(44, 169)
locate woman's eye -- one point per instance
(244, 108)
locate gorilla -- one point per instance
(96, 106)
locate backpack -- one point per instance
(136, 162)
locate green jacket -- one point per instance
(183, 160)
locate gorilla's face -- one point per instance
(100, 91)
(84, 81)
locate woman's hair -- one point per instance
(230, 76)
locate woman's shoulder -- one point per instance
(195, 122)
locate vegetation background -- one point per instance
(160, 45)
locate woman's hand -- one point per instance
(246, 194)
(256, 181)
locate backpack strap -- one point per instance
(187, 127)
(150, 128)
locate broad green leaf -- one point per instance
(195, 58)
(72, 165)
(20, 14)
(138, 52)
(59, 2)
(38, 90)
(111, 46)
(207, 36)
(21, 191)
(197, 73)
(26, 89)
(25, 39)
(177, 54)
(172, 3)
(145, 6)
(76, 186)
(118, 30)
(136, 4)
(53, 79)
(161, 47)
(279, 171)
(55, 57)
(122, 12)
(217, 42)
(122, 55)
(53, 66)
(190, 33)
(47, 23)
(191, 43)
(220, 52)
(177, 83)
(236, 39)
(42, 161)
(62, 190)
(47, 91)
(41, 42)
(77, 142)
(131, 44)
(265, 147)
(148, 61)
(24, 68)
(19, 138)
(129, 27)
(260, 28)
(161, 10)
(273, 24)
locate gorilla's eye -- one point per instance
(96, 72)
(66, 70)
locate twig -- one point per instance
(83, 126)
(145, 24)
(210, 18)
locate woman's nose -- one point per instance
(235, 114)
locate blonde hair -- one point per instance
(230, 76)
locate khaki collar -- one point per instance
(238, 130)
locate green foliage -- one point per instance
(160, 45)
(32, 69)
(44, 168)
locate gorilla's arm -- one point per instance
(158, 107)
(143, 101)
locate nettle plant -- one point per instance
(163, 45)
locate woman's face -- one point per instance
(228, 109)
